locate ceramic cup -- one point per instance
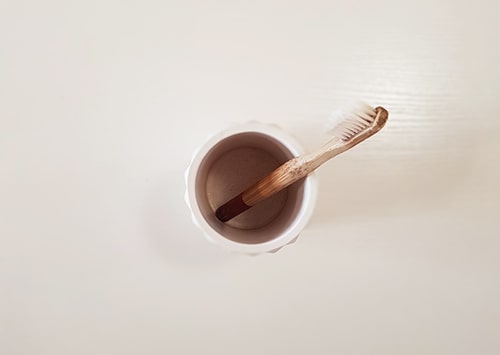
(231, 161)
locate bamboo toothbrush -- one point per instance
(359, 123)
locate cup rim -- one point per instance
(292, 231)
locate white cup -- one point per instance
(231, 161)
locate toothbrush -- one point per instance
(358, 123)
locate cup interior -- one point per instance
(232, 165)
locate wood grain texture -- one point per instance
(282, 177)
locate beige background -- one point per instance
(103, 102)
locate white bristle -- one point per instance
(350, 120)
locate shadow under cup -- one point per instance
(235, 163)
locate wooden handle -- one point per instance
(282, 177)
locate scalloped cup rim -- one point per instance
(291, 233)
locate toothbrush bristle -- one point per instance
(350, 121)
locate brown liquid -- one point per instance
(232, 173)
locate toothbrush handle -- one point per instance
(282, 177)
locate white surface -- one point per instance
(102, 104)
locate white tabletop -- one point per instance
(102, 104)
